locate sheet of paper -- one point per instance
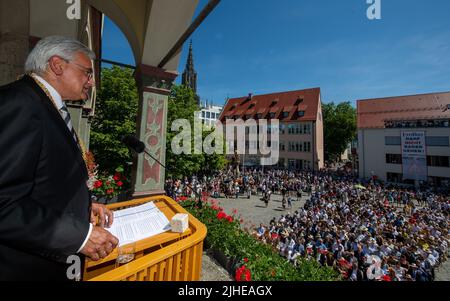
(136, 223)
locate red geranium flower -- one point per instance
(109, 191)
(116, 177)
(98, 184)
(243, 274)
(119, 183)
(221, 215)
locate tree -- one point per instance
(182, 105)
(115, 116)
(339, 123)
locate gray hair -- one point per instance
(63, 47)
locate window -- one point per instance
(208, 115)
(259, 115)
(203, 114)
(282, 128)
(272, 115)
(394, 158)
(307, 129)
(438, 161)
(301, 113)
(306, 164)
(307, 147)
(437, 141)
(282, 147)
(290, 128)
(392, 140)
(291, 164)
(285, 114)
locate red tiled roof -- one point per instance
(261, 110)
(311, 98)
(274, 109)
(373, 112)
(302, 107)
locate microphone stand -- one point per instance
(199, 202)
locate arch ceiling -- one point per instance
(152, 27)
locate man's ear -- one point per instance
(56, 65)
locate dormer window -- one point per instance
(285, 114)
(301, 113)
(274, 102)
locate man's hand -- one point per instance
(100, 212)
(100, 244)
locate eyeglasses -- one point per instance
(87, 71)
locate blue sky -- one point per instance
(266, 46)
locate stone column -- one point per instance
(14, 38)
(154, 87)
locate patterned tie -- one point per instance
(66, 116)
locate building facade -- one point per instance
(386, 149)
(300, 126)
(209, 114)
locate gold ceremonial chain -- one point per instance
(79, 142)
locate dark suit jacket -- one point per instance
(44, 201)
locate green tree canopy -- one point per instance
(115, 116)
(339, 123)
(182, 105)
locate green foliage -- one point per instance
(339, 123)
(225, 234)
(182, 105)
(115, 115)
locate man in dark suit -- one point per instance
(45, 209)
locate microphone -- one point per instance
(133, 143)
(138, 146)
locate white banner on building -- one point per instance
(414, 156)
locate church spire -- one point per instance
(189, 78)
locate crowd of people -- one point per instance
(367, 231)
